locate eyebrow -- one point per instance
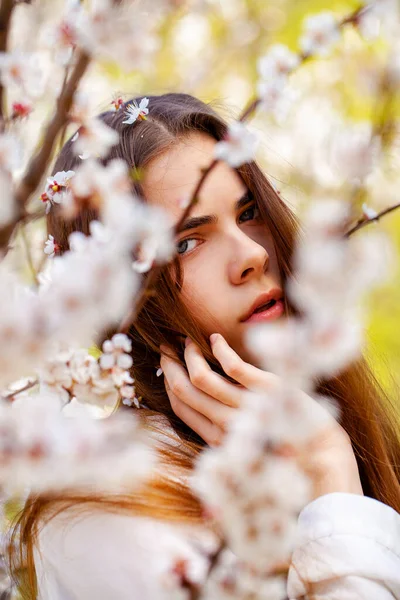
(194, 222)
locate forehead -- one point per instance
(173, 176)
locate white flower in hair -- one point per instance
(321, 31)
(135, 111)
(238, 147)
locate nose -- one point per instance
(249, 258)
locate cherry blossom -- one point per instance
(238, 147)
(277, 63)
(94, 138)
(43, 450)
(21, 110)
(21, 70)
(136, 111)
(321, 32)
(56, 189)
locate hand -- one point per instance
(206, 402)
(202, 399)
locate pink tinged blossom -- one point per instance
(238, 147)
(134, 111)
(47, 451)
(21, 70)
(379, 18)
(56, 189)
(321, 32)
(117, 103)
(157, 245)
(279, 62)
(94, 138)
(21, 110)
(51, 246)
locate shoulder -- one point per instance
(106, 555)
(351, 540)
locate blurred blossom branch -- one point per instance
(39, 162)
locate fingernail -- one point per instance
(188, 341)
(213, 337)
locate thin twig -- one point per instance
(39, 162)
(27, 386)
(363, 222)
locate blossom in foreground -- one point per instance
(21, 70)
(10, 152)
(251, 484)
(321, 32)
(238, 147)
(43, 450)
(135, 111)
(94, 138)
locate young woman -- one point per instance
(233, 251)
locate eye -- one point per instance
(252, 213)
(182, 246)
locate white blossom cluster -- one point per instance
(41, 449)
(103, 382)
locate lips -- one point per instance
(263, 299)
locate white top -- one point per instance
(348, 548)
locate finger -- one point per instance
(205, 379)
(206, 429)
(177, 379)
(247, 375)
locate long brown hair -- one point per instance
(367, 414)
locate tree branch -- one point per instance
(39, 162)
(6, 9)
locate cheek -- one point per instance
(202, 295)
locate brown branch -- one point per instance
(27, 386)
(39, 162)
(6, 9)
(363, 222)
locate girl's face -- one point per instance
(228, 260)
